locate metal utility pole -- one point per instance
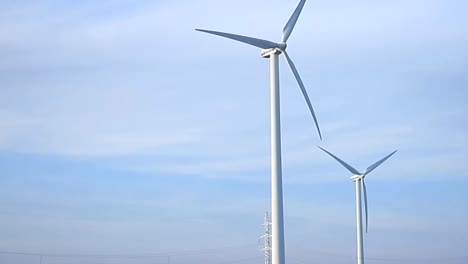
(267, 238)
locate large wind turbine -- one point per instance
(358, 178)
(272, 50)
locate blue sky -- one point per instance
(125, 131)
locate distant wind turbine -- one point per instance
(272, 50)
(358, 178)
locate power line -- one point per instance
(150, 255)
(400, 260)
(221, 249)
(240, 260)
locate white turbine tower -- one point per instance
(272, 50)
(358, 178)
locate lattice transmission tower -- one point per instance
(267, 238)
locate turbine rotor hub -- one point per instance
(282, 45)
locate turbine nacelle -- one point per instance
(280, 48)
(357, 177)
(266, 53)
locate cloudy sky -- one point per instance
(123, 131)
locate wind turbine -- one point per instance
(358, 178)
(272, 50)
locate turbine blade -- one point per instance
(263, 44)
(375, 165)
(346, 165)
(288, 28)
(304, 92)
(365, 200)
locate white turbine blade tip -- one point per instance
(288, 28)
(365, 202)
(378, 163)
(304, 91)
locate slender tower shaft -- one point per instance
(277, 224)
(360, 248)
